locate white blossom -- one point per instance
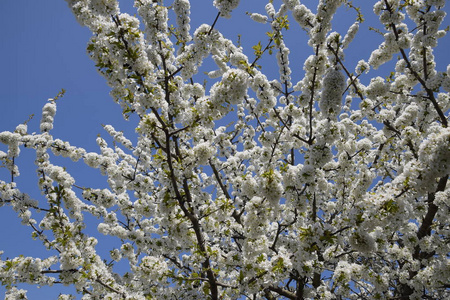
(351, 33)
(434, 153)
(231, 89)
(48, 113)
(258, 18)
(333, 88)
(226, 6)
(377, 87)
(304, 16)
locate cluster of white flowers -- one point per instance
(93, 160)
(271, 186)
(59, 175)
(304, 16)
(194, 54)
(434, 154)
(261, 86)
(13, 141)
(155, 17)
(88, 12)
(259, 18)
(71, 258)
(408, 116)
(428, 37)
(64, 149)
(100, 197)
(48, 114)
(270, 10)
(331, 97)
(30, 268)
(378, 87)
(14, 293)
(351, 33)
(363, 242)
(388, 48)
(118, 137)
(153, 268)
(232, 88)
(182, 10)
(203, 152)
(283, 65)
(21, 129)
(225, 7)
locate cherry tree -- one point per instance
(249, 185)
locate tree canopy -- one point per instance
(241, 183)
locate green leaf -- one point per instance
(260, 258)
(390, 206)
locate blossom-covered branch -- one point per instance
(300, 182)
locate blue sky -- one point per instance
(43, 51)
